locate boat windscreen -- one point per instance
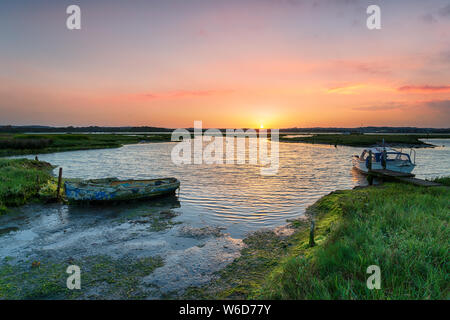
(398, 156)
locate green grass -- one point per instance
(443, 180)
(21, 181)
(20, 144)
(362, 140)
(401, 228)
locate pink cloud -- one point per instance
(436, 105)
(348, 89)
(371, 68)
(381, 107)
(425, 89)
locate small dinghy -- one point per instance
(112, 189)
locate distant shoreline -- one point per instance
(26, 144)
(161, 130)
(366, 140)
(13, 144)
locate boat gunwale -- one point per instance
(102, 183)
(148, 190)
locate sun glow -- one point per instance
(261, 126)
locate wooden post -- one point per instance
(369, 167)
(311, 234)
(38, 183)
(370, 179)
(59, 184)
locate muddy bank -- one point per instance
(141, 250)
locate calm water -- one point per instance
(217, 206)
(237, 197)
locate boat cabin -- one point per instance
(391, 155)
(385, 158)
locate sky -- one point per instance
(228, 63)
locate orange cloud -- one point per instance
(381, 107)
(351, 89)
(424, 89)
(358, 88)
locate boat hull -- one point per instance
(110, 190)
(398, 167)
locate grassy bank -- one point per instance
(20, 144)
(401, 228)
(363, 140)
(443, 180)
(23, 180)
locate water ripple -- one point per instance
(235, 196)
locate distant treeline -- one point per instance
(45, 129)
(91, 129)
(370, 130)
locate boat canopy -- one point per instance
(377, 153)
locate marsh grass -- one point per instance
(21, 181)
(401, 228)
(37, 143)
(442, 180)
(360, 140)
(19, 144)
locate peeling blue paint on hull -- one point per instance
(112, 189)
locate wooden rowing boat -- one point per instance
(112, 189)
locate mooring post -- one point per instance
(59, 183)
(311, 234)
(383, 159)
(38, 183)
(369, 167)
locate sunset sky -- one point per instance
(229, 63)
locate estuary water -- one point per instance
(216, 207)
(237, 196)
